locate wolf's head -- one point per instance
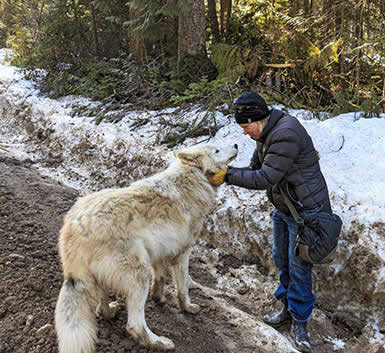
(207, 157)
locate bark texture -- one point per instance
(192, 28)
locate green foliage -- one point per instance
(369, 105)
(156, 8)
(171, 87)
(343, 104)
(203, 88)
(3, 34)
(20, 42)
(153, 17)
(256, 24)
(190, 68)
(95, 79)
(234, 62)
(299, 53)
(371, 108)
(320, 59)
(227, 59)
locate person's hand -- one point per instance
(218, 178)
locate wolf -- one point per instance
(121, 240)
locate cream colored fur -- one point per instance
(117, 239)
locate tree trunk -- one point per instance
(328, 25)
(95, 31)
(137, 43)
(358, 34)
(277, 81)
(213, 20)
(307, 4)
(171, 35)
(339, 21)
(78, 50)
(226, 8)
(192, 28)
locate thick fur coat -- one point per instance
(119, 239)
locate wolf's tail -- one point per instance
(74, 318)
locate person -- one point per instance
(284, 156)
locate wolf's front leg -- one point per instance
(182, 282)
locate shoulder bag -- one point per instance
(317, 236)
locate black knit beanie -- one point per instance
(250, 107)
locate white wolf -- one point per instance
(112, 239)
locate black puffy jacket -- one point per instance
(284, 155)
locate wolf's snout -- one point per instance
(236, 146)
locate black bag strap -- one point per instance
(300, 222)
(292, 209)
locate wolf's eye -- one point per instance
(217, 151)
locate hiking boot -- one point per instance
(277, 319)
(300, 335)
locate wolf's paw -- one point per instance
(108, 312)
(115, 308)
(192, 308)
(160, 300)
(163, 343)
(193, 285)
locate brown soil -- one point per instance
(31, 212)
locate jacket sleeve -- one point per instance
(279, 158)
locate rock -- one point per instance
(29, 320)
(9, 301)
(243, 288)
(47, 329)
(28, 323)
(16, 256)
(370, 341)
(381, 325)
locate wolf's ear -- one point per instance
(188, 158)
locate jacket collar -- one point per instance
(275, 115)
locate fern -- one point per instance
(233, 61)
(228, 60)
(319, 59)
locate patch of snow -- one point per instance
(338, 344)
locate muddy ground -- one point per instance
(31, 211)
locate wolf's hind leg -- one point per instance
(159, 275)
(138, 285)
(107, 310)
(183, 282)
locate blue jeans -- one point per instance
(295, 286)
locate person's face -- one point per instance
(254, 129)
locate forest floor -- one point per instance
(31, 212)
